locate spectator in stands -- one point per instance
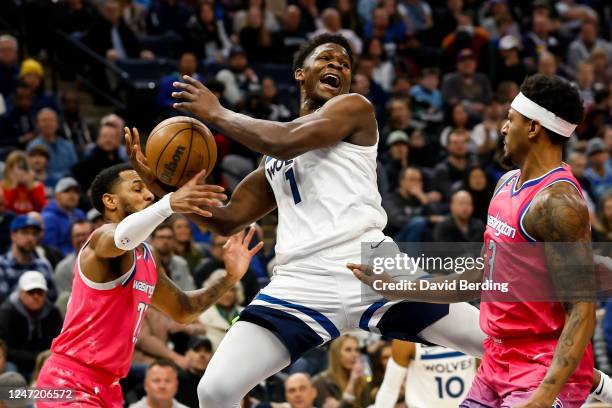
(241, 17)
(578, 162)
(161, 384)
(29, 321)
(277, 111)
(110, 36)
(299, 391)
(105, 154)
(477, 183)
(467, 86)
(41, 358)
(399, 118)
(343, 383)
(408, 208)
(599, 171)
(486, 134)
(585, 77)
(184, 245)
(135, 16)
(459, 120)
(309, 14)
(290, 37)
(496, 10)
(6, 218)
(603, 227)
(397, 156)
(13, 381)
(209, 265)
(375, 92)
(582, 48)
(60, 213)
(218, 319)
(427, 99)
(239, 78)
(167, 17)
(460, 225)
(540, 39)
(79, 233)
(18, 124)
(388, 27)
(96, 219)
(331, 23)
(255, 38)
(5, 366)
(348, 15)
(384, 72)
(73, 126)
(63, 155)
(188, 65)
(467, 35)
(205, 36)
(162, 240)
(455, 166)
(9, 68)
(38, 157)
(22, 257)
(22, 193)
(602, 69)
(51, 254)
(509, 64)
(74, 16)
(33, 75)
(199, 352)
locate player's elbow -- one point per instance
(280, 150)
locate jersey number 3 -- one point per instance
(290, 176)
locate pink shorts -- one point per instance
(511, 371)
(91, 387)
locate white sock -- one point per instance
(603, 392)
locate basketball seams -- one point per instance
(207, 154)
(180, 180)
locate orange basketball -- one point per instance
(178, 148)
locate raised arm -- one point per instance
(185, 307)
(348, 117)
(251, 201)
(560, 218)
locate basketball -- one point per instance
(178, 148)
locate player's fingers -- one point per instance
(209, 195)
(359, 275)
(186, 96)
(195, 180)
(187, 106)
(136, 137)
(197, 210)
(193, 81)
(256, 248)
(208, 188)
(249, 237)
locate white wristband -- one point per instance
(136, 228)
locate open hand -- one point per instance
(237, 255)
(194, 195)
(136, 156)
(194, 97)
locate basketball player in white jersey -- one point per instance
(435, 376)
(320, 172)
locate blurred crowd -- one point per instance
(441, 75)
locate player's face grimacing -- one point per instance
(131, 194)
(326, 72)
(515, 131)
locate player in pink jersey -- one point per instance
(538, 351)
(116, 280)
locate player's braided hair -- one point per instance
(104, 183)
(309, 46)
(558, 96)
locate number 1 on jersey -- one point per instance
(290, 175)
(142, 308)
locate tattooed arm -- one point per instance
(559, 217)
(185, 307)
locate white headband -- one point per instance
(549, 120)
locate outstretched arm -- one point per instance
(251, 201)
(560, 218)
(343, 117)
(185, 307)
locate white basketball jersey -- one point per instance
(438, 377)
(326, 198)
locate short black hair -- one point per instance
(556, 95)
(308, 47)
(104, 183)
(162, 226)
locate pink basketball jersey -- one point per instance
(514, 257)
(103, 319)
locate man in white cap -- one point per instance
(60, 213)
(28, 321)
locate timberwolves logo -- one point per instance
(557, 404)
